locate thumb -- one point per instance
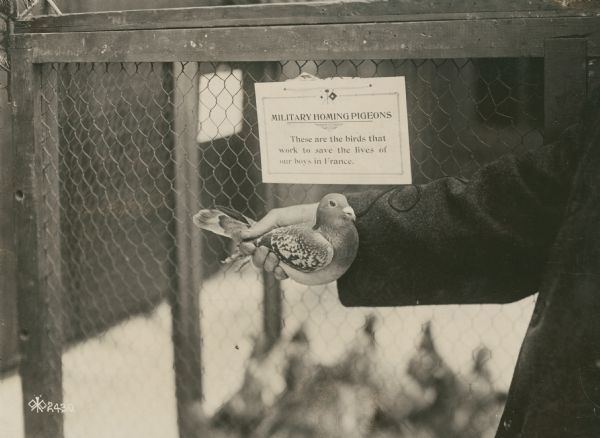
(280, 217)
(261, 227)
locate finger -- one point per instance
(271, 262)
(279, 273)
(259, 256)
(247, 248)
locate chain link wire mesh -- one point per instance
(111, 171)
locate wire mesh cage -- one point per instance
(111, 135)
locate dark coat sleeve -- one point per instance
(452, 241)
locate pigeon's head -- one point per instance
(334, 210)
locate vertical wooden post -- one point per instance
(272, 309)
(8, 257)
(565, 84)
(37, 231)
(272, 293)
(272, 303)
(185, 305)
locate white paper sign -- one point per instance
(334, 131)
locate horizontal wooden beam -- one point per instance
(523, 37)
(300, 13)
(78, 6)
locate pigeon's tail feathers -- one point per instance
(222, 221)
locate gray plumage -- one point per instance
(299, 247)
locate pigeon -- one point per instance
(309, 253)
(461, 405)
(332, 401)
(272, 369)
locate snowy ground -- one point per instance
(121, 384)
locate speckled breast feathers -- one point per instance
(299, 247)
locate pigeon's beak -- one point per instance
(349, 212)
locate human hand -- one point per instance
(278, 217)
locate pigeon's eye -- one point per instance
(332, 203)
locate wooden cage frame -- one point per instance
(564, 36)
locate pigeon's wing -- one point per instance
(222, 221)
(235, 215)
(299, 247)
